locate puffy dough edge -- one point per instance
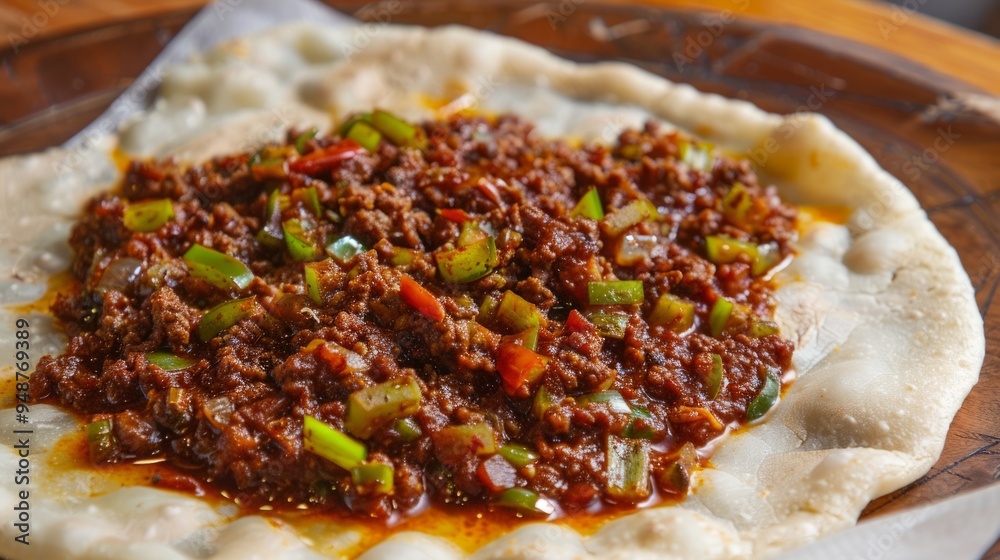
(800, 473)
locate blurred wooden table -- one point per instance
(946, 48)
(971, 456)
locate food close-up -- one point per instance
(334, 289)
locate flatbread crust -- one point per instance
(889, 340)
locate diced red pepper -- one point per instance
(576, 322)
(497, 474)
(519, 366)
(420, 299)
(327, 158)
(456, 215)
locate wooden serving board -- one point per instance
(917, 123)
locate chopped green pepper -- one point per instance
(218, 269)
(371, 407)
(542, 403)
(516, 314)
(518, 455)
(628, 469)
(377, 477)
(270, 234)
(638, 428)
(525, 501)
(311, 198)
(223, 316)
(761, 327)
(454, 444)
(149, 215)
(346, 126)
(722, 249)
(623, 292)
(714, 381)
(609, 324)
(408, 429)
(589, 206)
(297, 240)
(527, 338)
(610, 398)
(719, 317)
(332, 444)
(766, 398)
(101, 440)
(270, 163)
(320, 278)
(736, 206)
(365, 135)
(402, 257)
(697, 155)
(617, 222)
(488, 309)
(674, 312)
(471, 232)
(345, 249)
(301, 139)
(469, 263)
(168, 361)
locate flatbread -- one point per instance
(889, 340)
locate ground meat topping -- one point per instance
(462, 309)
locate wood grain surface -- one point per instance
(898, 80)
(938, 45)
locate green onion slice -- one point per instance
(376, 476)
(332, 444)
(149, 215)
(218, 269)
(623, 292)
(628, 469)
(398, 131)
(365, 135)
